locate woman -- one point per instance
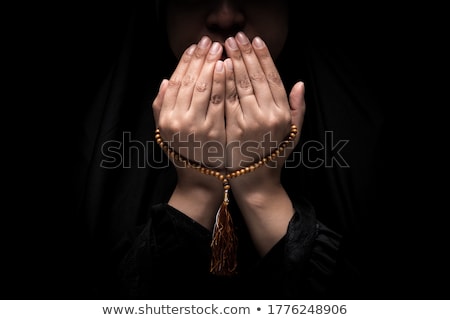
(232, 73)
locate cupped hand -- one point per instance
(189, 108)
(258, 111)
(189, 112)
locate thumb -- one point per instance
(157, 103)
(297, 104)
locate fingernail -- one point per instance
(242, 38)
(258, 43)
(162, 84)
(214, 48)
(229, 64)
(219, 66)
(204, 42)
(191, 49)
(232, 43)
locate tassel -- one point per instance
(224, 241)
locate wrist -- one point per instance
(197, 196)
(258, 181)
(256, 192)
(267, 210)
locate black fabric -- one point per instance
(169, 259)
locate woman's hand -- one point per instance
(259, 115)
(189, 110)
(258, 112)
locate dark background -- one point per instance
(58, 57)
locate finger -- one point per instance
(233, 111)
(244, 86)
(217, 98)
(174, 83)
(192, 73)
(272, 76)
(297, 104)
(203, 87)
(255, 72)
(157, 103)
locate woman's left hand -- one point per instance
(258, 112)
(259, 115)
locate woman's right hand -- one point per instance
(189, 111)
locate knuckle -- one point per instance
(176, 83)
(237, 56)
(188, 80)
(264, 55)
(199, 53)
(247, 49)
(186, 58)
(216, 99)
(272, 123)
(274, 77)
(201, 86)
(232, 96)
(257, 76)
(245, 83)
(213, 135)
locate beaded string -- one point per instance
(224, 241)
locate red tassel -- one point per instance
(224, 242)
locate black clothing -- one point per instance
(169, 259)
